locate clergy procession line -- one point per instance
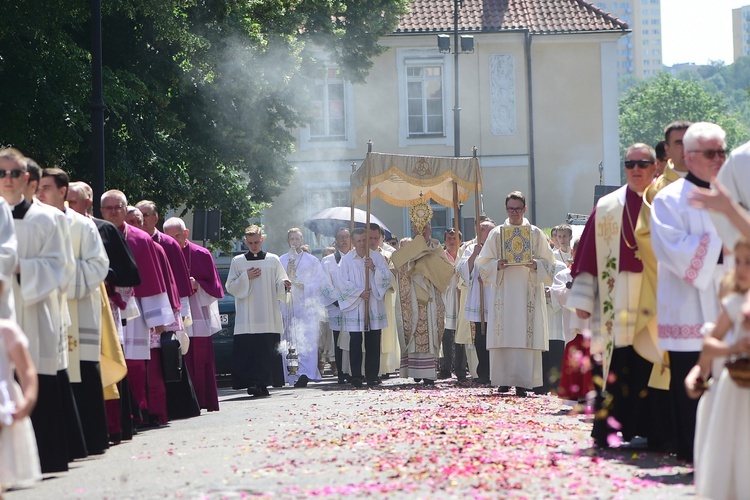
(634, 318)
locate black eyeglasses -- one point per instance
(14, 173)
(514, 210)
(631, 164)
(710, 154)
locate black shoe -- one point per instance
(481, 381)
(373, 383)
(385, 376)
(264, 391)
(429, 381)
(357, 382)
(301, 381)
(417, 380)
(503, 388)
(443, 376)
(520, 392)
(254, 390)
(341, 380)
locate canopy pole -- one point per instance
(351, 203)
(455, 209)
(367, 237)
(477, 225)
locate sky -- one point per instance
(697, 31)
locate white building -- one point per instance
(538, 98)
(741, 31)
(638, 53)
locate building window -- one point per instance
(329, 120)
(424, 96)
(645, 32)
(332, 121)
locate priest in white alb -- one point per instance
(517, 322)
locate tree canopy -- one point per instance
(651, 105)
(201, 95)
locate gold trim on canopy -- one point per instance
(403, 180)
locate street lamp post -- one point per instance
(465, 46)
(97, 105)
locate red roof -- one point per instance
(537, 16)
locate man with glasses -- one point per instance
(607, 274)
(142, 331)
(689, 251)
(517, 320)
(37, 279)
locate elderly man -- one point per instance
(37, 281)
(356, 299)
(689, 251)
(204, 310)
(181, 398)
(303, 313)
(84, 305)
(423, 273)
(335, 318)
(607, 276)
(152, 313)
(474, 311)
(121, 277)
(516, 341)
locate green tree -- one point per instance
(649, 106)
(201, 95)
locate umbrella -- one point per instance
(328, 221)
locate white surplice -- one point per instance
(687, 247)
(734, 175)
(8, 261)
(84, 293)
(257, 300)
(517, 322)
(352, 268)
(43, 261)
(305, 310)
(471, 278)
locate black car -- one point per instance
(222, 340)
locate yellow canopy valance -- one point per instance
(400, 179)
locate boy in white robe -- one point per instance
(258, 282)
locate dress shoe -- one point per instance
(429, 381)
(503, 388)
(417, 380)
(443, 375)
(373, 383)
(301, 381)
(357, 382)
(341, 380)
(520, 392)
(254, 390)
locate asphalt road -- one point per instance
(400, 440)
